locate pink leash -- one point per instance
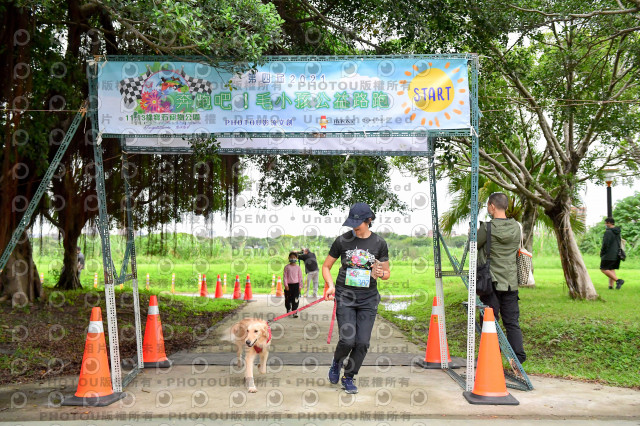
(297, 310)
(333, 318)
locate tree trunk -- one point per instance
(68, 279)
(20, 280)
(575, 271)
(175, 238)
(19, 277)
(529, 219)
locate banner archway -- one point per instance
(290, 105)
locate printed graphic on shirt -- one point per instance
(359, 263)
(359, 258)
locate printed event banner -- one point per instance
(284, 98)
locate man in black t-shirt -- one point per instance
(311, 269)
(364, 258)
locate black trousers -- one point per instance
(355, 313)
(292, 296)
(505, 305)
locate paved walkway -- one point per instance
(295, 387)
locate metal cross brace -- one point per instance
(44, 184)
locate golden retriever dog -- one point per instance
(254, 336)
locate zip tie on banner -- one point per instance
(473, 131)
(100, 58)
(93, 63)
(99, 139)
(83, 107)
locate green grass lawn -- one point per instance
(598, 340)
(407, 276)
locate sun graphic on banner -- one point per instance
(433, 91)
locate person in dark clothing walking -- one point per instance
(311, 269)
(364, 258)
(505, 242)
(609, 257)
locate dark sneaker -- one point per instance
(619, 284)
(334, 372)
(348, 385)
(295, 315)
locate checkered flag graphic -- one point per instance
(131, 88)
(197, 85)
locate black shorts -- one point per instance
(608, 265)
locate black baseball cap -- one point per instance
(357, 214)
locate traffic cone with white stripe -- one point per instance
(236, 289)
(248, 293)
(153, 354)
(203, 287)
(432, 354)
(279, 292)
(218, 288)
(94, 387)
(489, 387)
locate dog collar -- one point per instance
(258, 349)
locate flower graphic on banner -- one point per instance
(166, 91)
(161, 90)
(433, 91)
(153, 102)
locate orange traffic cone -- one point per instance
(279, 292)
(489, 387)
(94, 386)
(236, 289)
(432, 354)
(218, 288)
(248, 294)
(203, 286)
(153, 354)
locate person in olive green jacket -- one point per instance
(505, 242)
